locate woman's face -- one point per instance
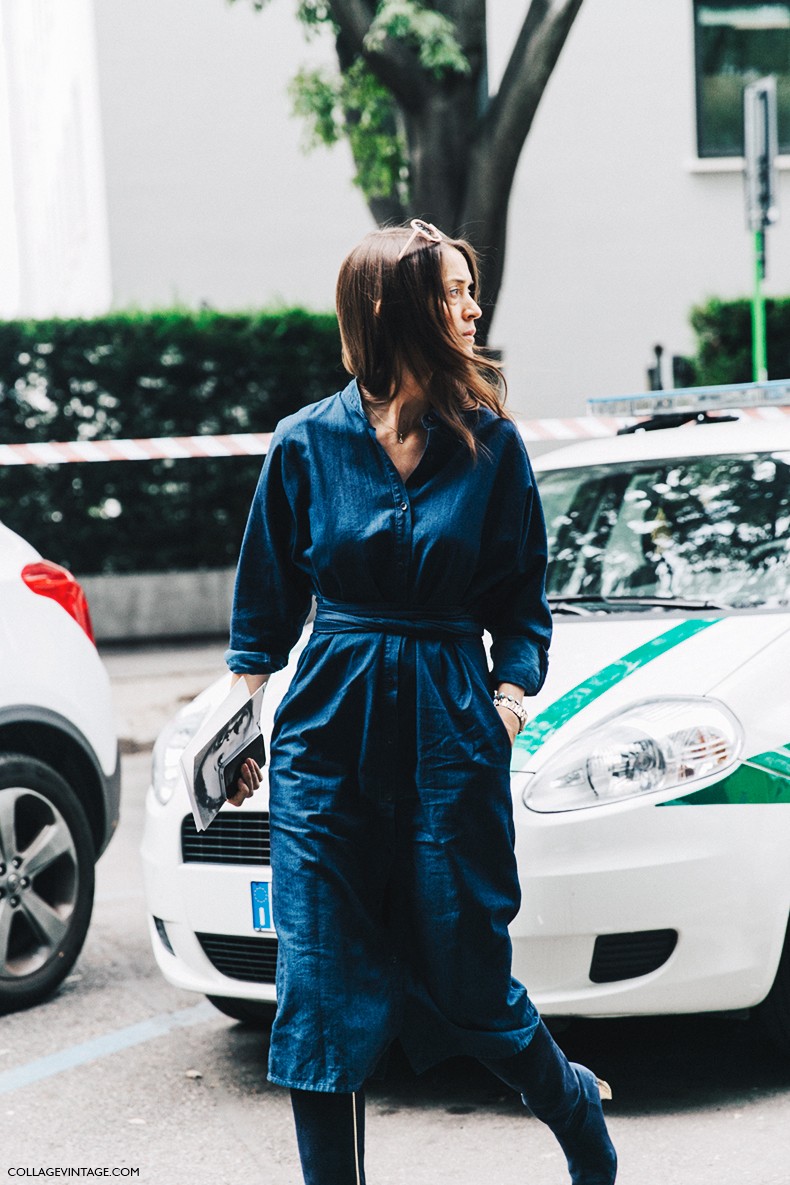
(459, 296)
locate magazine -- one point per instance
(212, 760)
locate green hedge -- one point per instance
(724, 340)
(146, 375)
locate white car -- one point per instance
(59, 772)
(651, 788)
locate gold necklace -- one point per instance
(400, 435)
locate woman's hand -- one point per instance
(250, 776)
(250, 779)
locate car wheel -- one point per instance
(774, 1012)
(46, 880)
(257, 1013)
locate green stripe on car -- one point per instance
(764, 779)
(562, 710)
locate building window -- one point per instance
(736, 43)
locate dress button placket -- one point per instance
(403, 540)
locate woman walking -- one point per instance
(406, 506)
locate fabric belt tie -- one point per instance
(345, 617)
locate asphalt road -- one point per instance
(122, 1072)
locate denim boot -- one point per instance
(330, 1132)
(567, 1097)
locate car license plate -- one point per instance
(261, 905)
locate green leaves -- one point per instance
(314, 14)
(316, 96)
(429, 33)
(724, 340)
(357, 107)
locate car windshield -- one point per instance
(701, 530)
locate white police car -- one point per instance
(651, 787)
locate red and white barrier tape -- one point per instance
(575, 428)
(249, 444)
(242, 444)
(255, 444)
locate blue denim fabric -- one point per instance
(394, 877)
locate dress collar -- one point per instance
(352, 397)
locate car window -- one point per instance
(705, 528)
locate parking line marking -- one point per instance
(99, 1047)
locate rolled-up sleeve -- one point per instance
(515, 610)
(272, 595)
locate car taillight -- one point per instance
(50, 580)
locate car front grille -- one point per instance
(253, 960)
(231, 839)
(627, 956)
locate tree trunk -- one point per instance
(439, 143)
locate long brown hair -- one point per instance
(393, 322)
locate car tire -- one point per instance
(774, 1012)
(46, 880)
(259, 1014)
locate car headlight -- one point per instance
(656, 744)
(170, 744)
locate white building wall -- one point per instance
(9, 250)
(616, 230)
(210, 197)
(53, 242)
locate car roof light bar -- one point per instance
(694, 400)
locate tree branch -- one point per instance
(502, 132)
(354, 17)
(396, 66)
(538, 46)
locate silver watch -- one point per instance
(516, 706)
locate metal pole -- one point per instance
(759, 343)
(761, 146)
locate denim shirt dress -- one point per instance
(393, 871)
